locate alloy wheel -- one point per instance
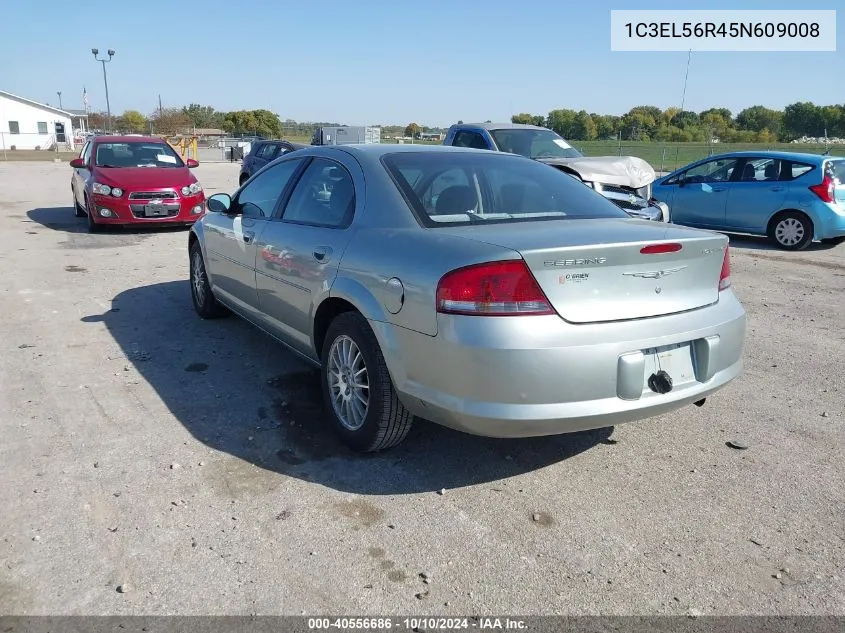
(198, 279)
(349, 384)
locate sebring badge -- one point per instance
(580, 261)
(655, 274)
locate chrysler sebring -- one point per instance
(482, 291)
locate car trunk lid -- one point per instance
(605, 270)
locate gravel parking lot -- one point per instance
(154, 463)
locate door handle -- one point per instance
(322, 254)
(777, 188)
(248, 235)
(718, 188)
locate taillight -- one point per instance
(826, 189)
(725, 275)
(656, 249)
(492, 289)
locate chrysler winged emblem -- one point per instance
(655, 274)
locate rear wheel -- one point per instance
(205, 303)
(791, 230)
(359, 395)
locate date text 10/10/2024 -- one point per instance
(416, 623)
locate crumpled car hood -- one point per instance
(625, 171)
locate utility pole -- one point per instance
(96, 52)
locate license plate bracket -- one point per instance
(155, 210)
(676, 360)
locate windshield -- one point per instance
(456, 188)
(137, 154)
(533, 143)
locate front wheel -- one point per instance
(80, 212)
(363, 407)
(791, 231)
(93, 227)
(205, 303)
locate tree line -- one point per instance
(649, 123)
(187, 119)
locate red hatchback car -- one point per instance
(134, 180)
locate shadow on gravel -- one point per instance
(240, 392)
(64, 219)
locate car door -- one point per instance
(80, 176)
(231, 238)
(699, 194)
(266, 153)
(755, 195)
(299, 252)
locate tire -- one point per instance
(791, 231)
(80, 212)
(205, 303)
(93, 227)
(384, 421)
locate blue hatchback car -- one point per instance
(791, 197)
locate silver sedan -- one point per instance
(483, 291)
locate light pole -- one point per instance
(95, 52)
(60, 99)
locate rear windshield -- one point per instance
(137, 154)
(448, 188)
(837, 170)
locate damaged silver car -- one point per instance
(625, 180)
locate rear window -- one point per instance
(836, 168)
(445, 188)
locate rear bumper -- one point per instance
(832, 221)
(122, 212)
(532, 376)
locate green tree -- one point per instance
(529, 119)
(203, 116)
(584, 128)
(802, 118)
(413, 130)
(259, 122)
(563, 122)
(758, 118)
(685, 119)
(132, 122)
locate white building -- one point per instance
(26, 124)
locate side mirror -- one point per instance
(77, 163)
(219, 203)
(682, 180)
(190, 163)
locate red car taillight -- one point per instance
(492, 289)
(826, 189)
(725, 275)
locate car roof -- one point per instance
(128, 139)
(377, 150)
(785, 155)
(502, 126)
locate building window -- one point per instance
(14, 128)
(42, 127)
